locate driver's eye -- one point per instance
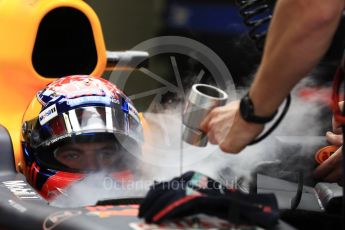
(106, 154)
(69, 155)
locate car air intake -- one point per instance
(64, 44)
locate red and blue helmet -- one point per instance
(76, 125)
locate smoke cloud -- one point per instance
(164, 155)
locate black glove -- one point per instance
(194, 193)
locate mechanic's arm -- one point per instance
(300, 33)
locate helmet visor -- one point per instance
(86, 120)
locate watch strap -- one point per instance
(247, 111)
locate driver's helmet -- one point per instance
(77, 125)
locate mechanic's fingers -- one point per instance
(334, 176)
(204, 126)
(334, 139)
(212, 139)
(232, 147)
(324, 169)
(235, 143)
(335, 125)
(211, 135)
(341, 105)
(240, 135)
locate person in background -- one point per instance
(299, 35)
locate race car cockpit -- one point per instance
(78, 151)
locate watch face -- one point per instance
(246, 108)
(247, 112)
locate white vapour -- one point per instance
(161, 155)
(97, 187)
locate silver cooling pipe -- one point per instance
(202, 99)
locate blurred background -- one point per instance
(216, 24)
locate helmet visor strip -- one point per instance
(86, 120)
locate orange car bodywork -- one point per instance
(19, 23)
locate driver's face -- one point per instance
(88, 156)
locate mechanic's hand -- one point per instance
(219, 121)
(334, 139)
(335, 125)
(224, 126)
(331, 169)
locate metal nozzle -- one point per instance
(202, 99)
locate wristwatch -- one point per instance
(247, 112)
